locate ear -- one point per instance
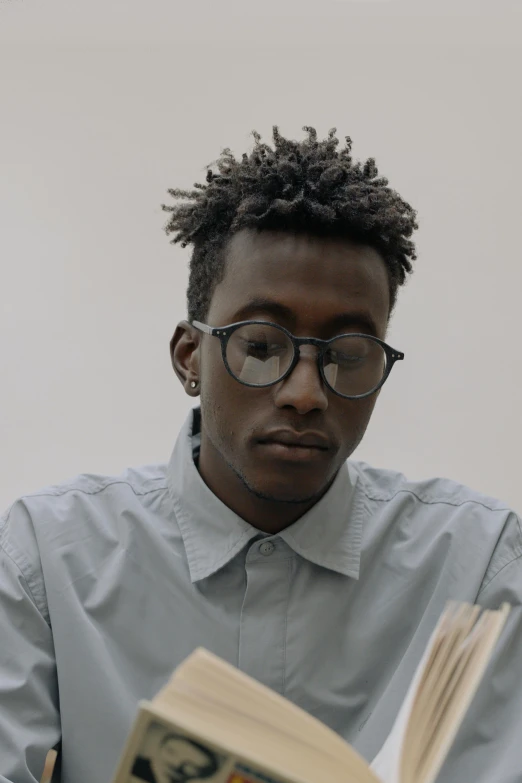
(184, 354)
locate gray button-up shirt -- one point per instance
(107, 583)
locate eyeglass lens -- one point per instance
(260, 354)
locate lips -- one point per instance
(292, 439)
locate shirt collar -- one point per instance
(329, 534)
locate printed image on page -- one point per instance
(167, 755)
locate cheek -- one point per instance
(353, 421)
(217, 386)
(364, 418)
(211, 366)
(215, 382)
(220, 400)
(221, 395)
(229, 413)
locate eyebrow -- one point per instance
(358, 318)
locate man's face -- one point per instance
(181, 761)
(315, 287)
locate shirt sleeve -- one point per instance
(488, 746)
(29, 714)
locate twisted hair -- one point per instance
(308, 186)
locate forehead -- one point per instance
(315, 277)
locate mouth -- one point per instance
(293, 452)
(289, 445)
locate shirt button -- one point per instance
(266, 548)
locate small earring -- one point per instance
(193, 384)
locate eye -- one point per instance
(262, 349)
(345, 360)
(256, 347)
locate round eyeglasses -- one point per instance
(261, 353)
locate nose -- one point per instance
(303, 389)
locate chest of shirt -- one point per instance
(342, 649)
(125, 611)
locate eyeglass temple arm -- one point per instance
(202, 327)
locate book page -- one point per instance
(227, 684)
(439, 695)
(163, 748)
(258, 738)
(482, 641)
(436, 685)
(387, 762)
(212, 721)
(160, 752)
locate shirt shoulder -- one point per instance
(140, 480)
(39, 524)
(476, 524)
(383, 485)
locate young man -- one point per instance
(260, 540)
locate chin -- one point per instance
(285, 497)
(280, 491)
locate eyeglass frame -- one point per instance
(225, 332)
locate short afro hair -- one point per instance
(309, 187)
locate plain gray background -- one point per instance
(106, 104)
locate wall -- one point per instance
(106, 105)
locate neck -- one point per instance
(269, 516)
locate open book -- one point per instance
(213, 722)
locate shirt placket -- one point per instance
(263, 622)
